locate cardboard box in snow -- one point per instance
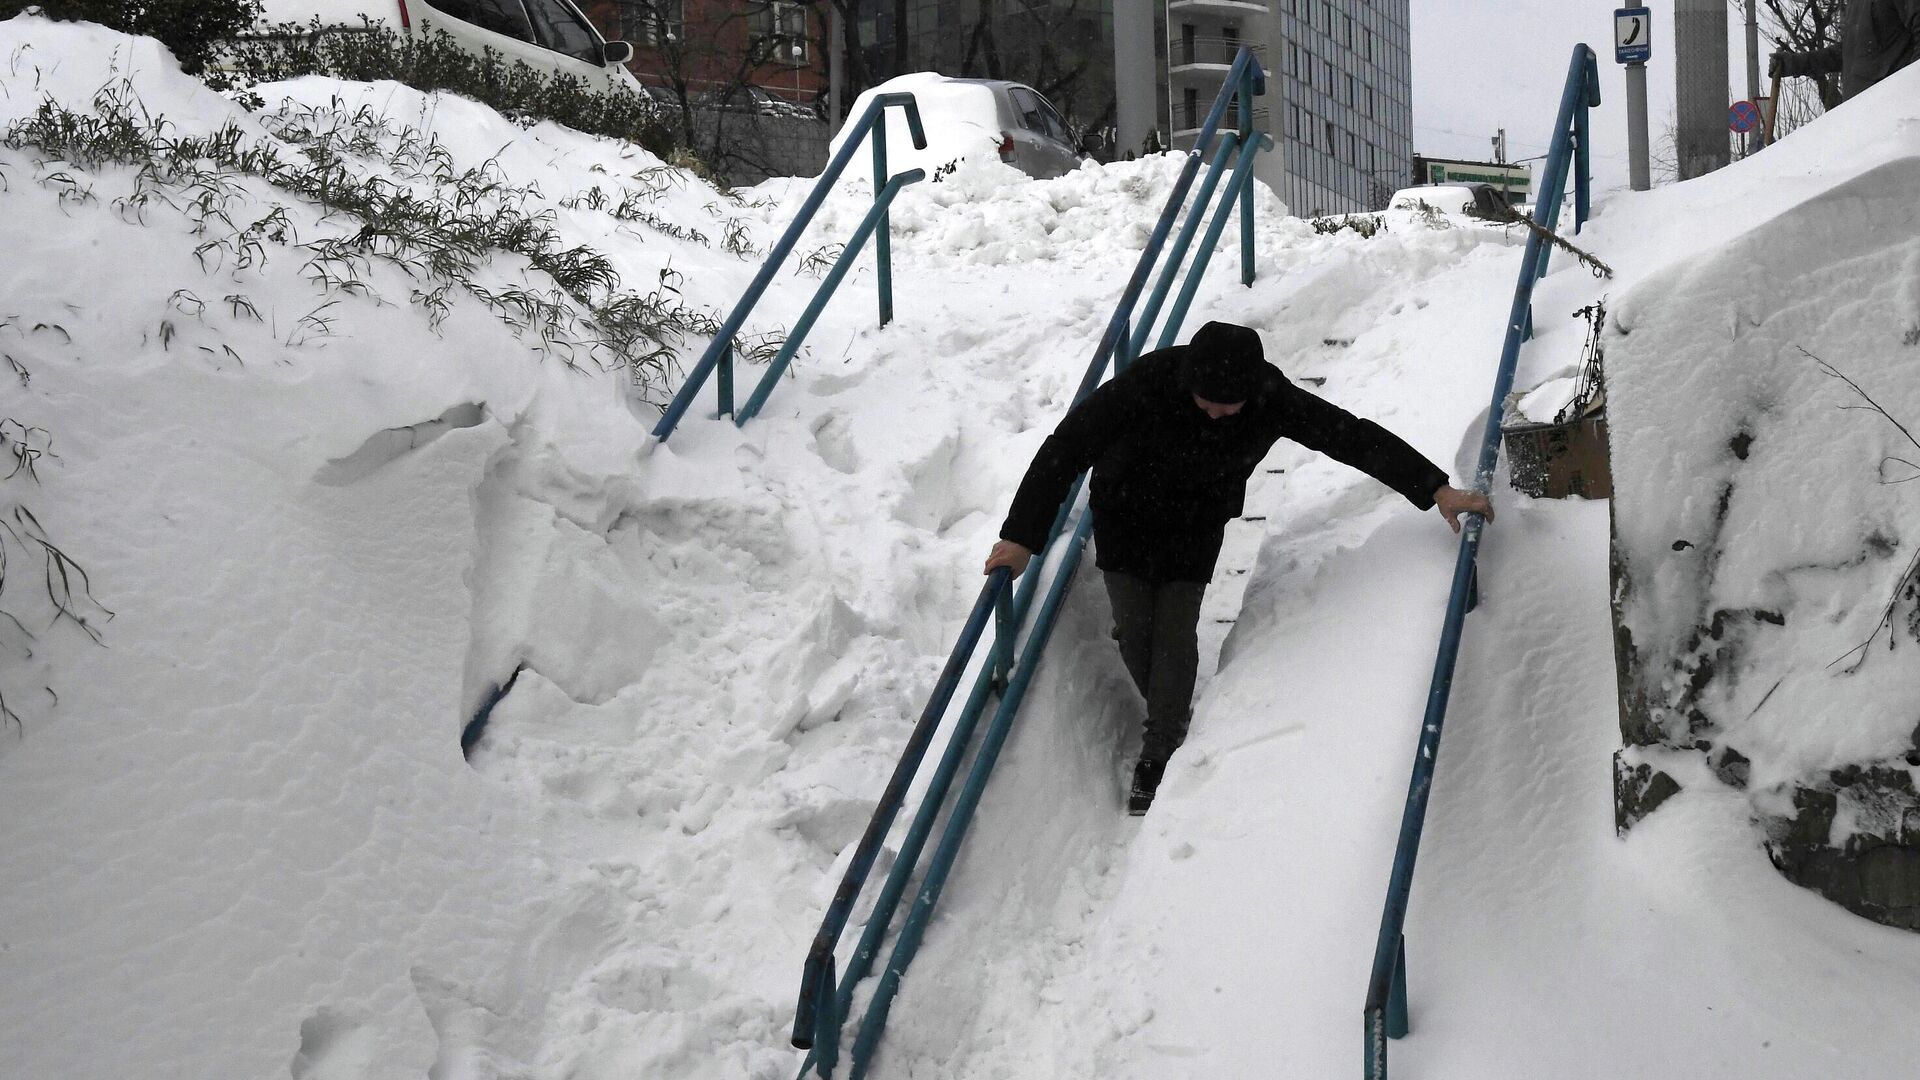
(1562, 459)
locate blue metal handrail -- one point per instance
(808, 1017)
(1385, 1015)
(824, 1006)
(719, 353)
(840, 267)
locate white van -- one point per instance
(550, 36)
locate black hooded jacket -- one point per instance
(1167, 478)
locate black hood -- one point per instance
(1223, 363)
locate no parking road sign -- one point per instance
(1743, 116)
(1633, 35)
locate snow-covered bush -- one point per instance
(193, 29)
(435, 61)
(401, 200)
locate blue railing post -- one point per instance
(1397, 996)
(816, 983)
(826, 1040)
(1246, 192)
(1238, 185)
(791, 347)
(1103, 352)
(723, 385)
(1582, 197)
(914, 928)
(875, 112)
(1177, 254)
(883, 243)
(1005, 628)
(1384, 1015)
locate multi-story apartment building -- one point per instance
(1339, 99)
(1137, 72)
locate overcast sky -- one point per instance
(1479, 66)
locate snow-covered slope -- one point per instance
(241, 840)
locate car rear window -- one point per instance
(500, 16)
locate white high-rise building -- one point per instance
(1339, 100)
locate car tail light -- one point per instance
(406, 20)
(1006, 146)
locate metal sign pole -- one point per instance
(1633, 46)
(1639, 164)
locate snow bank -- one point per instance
(1763, 524)
(334, 522)
(241, 838)
(961, 122)
(243, 842)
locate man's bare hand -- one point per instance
(1010, 555)
(1453, 502)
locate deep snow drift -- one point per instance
(243, 841)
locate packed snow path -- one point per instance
(244, 844)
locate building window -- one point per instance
(1329, 136)
(779, 31)
(659, 22)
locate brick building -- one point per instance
(703, 47)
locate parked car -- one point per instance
(1472, 199)
(757, 100)
(965, 117)
(550, 36)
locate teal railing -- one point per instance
(1386, 1009)
(719, 354)
(826, 998)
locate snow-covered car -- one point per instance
(550, 36)
(1472, 200)
(969, 117)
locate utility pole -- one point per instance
(1633, 46)
(1702, 70)
(1752, 139)
(836, 67)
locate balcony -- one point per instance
(1235, 8)
(1186, 122)
(1207, 56)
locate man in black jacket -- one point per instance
(1877, 38)
(1171, 442)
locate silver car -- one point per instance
(1033, 137)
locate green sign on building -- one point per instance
(1515, 180)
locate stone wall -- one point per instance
(1766, 606)
(755, 147)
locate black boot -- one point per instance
(1146, 781)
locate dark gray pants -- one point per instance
(1158, 628)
